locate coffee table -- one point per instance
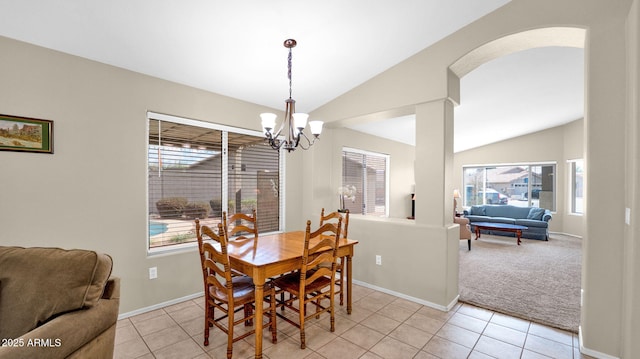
(505, 227)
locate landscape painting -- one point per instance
(25, 134)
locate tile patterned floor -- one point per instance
(381, 326)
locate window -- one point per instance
(368, 173)
(198, 170)
(576, 192)
(523, 185)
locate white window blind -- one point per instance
(368, 173)
(198, 170)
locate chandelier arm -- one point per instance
(309, 142)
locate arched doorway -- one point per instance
(528, 41)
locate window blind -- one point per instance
(367, 172)
(198, 170)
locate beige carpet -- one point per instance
(538, 280)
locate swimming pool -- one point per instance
(156, 228)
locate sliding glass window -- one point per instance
(523, 185)
(198, 170)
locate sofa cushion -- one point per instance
(40, 283)
(473, 218)
(531, 223)
(502, 220)
(536, 213)
(477, 210)
(506, 211)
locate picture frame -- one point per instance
(26, 134)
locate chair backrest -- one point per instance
(216, 269)
(241, 223)
(334, 216)
(320, 251)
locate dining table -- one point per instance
(270, 255)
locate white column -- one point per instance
(434, 159)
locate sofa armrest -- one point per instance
(547, 216)
(112, 289)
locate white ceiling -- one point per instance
(235, 48)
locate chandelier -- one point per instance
(294, 123)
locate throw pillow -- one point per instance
(477, 210)
(536, 213)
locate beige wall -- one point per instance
(91, 193)
(631, 297)
(556, 145)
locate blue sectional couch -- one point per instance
(536, 219)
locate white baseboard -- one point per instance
(159, 306)
(590, 352)
(567, 234)
(410, 298)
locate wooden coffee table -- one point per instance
(506, 227)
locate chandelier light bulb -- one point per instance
(268, 121)
(316, 127)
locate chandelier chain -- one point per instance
(289, 72)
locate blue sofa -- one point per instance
(536, 219)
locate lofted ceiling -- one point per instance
(235, 48)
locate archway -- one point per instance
(503, 48)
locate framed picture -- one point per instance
(25, 134)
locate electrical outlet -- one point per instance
(379, 260)
(153, 272)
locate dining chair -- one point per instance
(345, 231)
(226, 293)
(315, 280)
(241, 224)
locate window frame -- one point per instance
(225, 129)
(387, 161)
(572, 164)
(529, 182)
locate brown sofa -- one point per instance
(57, 303)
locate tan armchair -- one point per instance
(465, 229)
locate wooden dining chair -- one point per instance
(334, 216)
(243, 226)
(227, 293)
(315, 280)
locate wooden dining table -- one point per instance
(274, 254)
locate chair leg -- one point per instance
(341, 280)
(230, 333)
(303, 311)
(248, 311)
(332, 312)
(469, 241)
(207, 312)
(274, 330)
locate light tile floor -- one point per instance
(381, 326)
